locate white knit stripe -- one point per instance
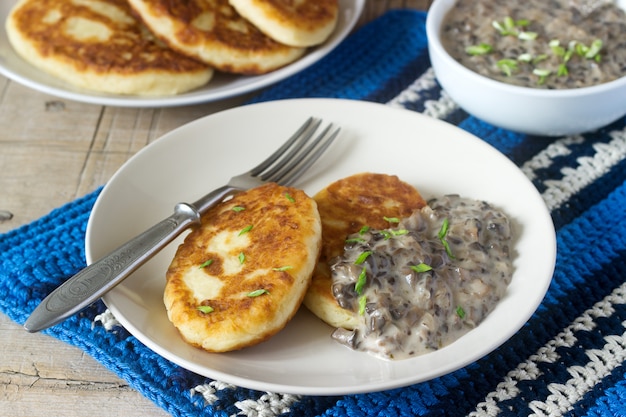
(424, 82)
(561, 396)
(269, 404)
(545, 158)
(584, 378)
(589, 169)
(438, 109)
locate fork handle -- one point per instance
(92, 282)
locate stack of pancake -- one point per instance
(163, 47)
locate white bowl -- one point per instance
(522, 109)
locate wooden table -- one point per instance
(53, 151)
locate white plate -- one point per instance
(221, 86)
(434, 156)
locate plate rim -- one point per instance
(350, 12)
(308, 390)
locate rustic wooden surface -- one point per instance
(53, 151)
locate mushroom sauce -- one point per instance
(424, 284)
(538, 43)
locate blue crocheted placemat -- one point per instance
(567, 360)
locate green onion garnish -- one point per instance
(360, 283)
(206, 263)
(238, 208)
(542, 74)
(242, 257)
(460, 312)
(392, 219)
(442, 237)
(206, 309)
(481, 49)
(290, 198)
(364, 230)
(399, 232)
(527, 36)
(508, 66)
(355, 240)
(421, 267)
(282, 268)
(362, 257)
(362, 304)
(256, 293)
(245, 230)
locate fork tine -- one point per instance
(280, 151)
(292, 167)
(291, 154)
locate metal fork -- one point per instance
(284, 167)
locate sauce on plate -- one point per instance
(423, 284)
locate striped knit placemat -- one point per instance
(567, 360)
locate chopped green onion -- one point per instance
(443, 231)
(481, 49)
(386, 234)
(542, 74)
(206, 309)
(527, 36)
(257, 293)
(522, 22)
(562, 71)
(290, 198)
(508, 66)
(360, 283)
(245, 230)
(525, 58)
(507, 27)
(242, 257)
(282, 268)
(362, 304)
(362, 257)
(238, 208)
(556, 47)
(364, 230)
(460, 312)
(392, 219)
(421, 267)
(205, 264)
(355, 240)
(442, 237)
(399, 232)
(594, 49)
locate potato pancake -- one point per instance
(345, 206)
(296, 23)
(212, 32)
(241, 276)
(100, 45)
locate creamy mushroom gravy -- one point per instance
(534, 62)
(408, 310)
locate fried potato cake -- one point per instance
(240, 277)
(99, 45)
(345, 206)
(296, 23)
(214, 33)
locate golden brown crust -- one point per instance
(214, 33)
(345, 206)
(279, 227)
(303, 23)
(85, 41)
